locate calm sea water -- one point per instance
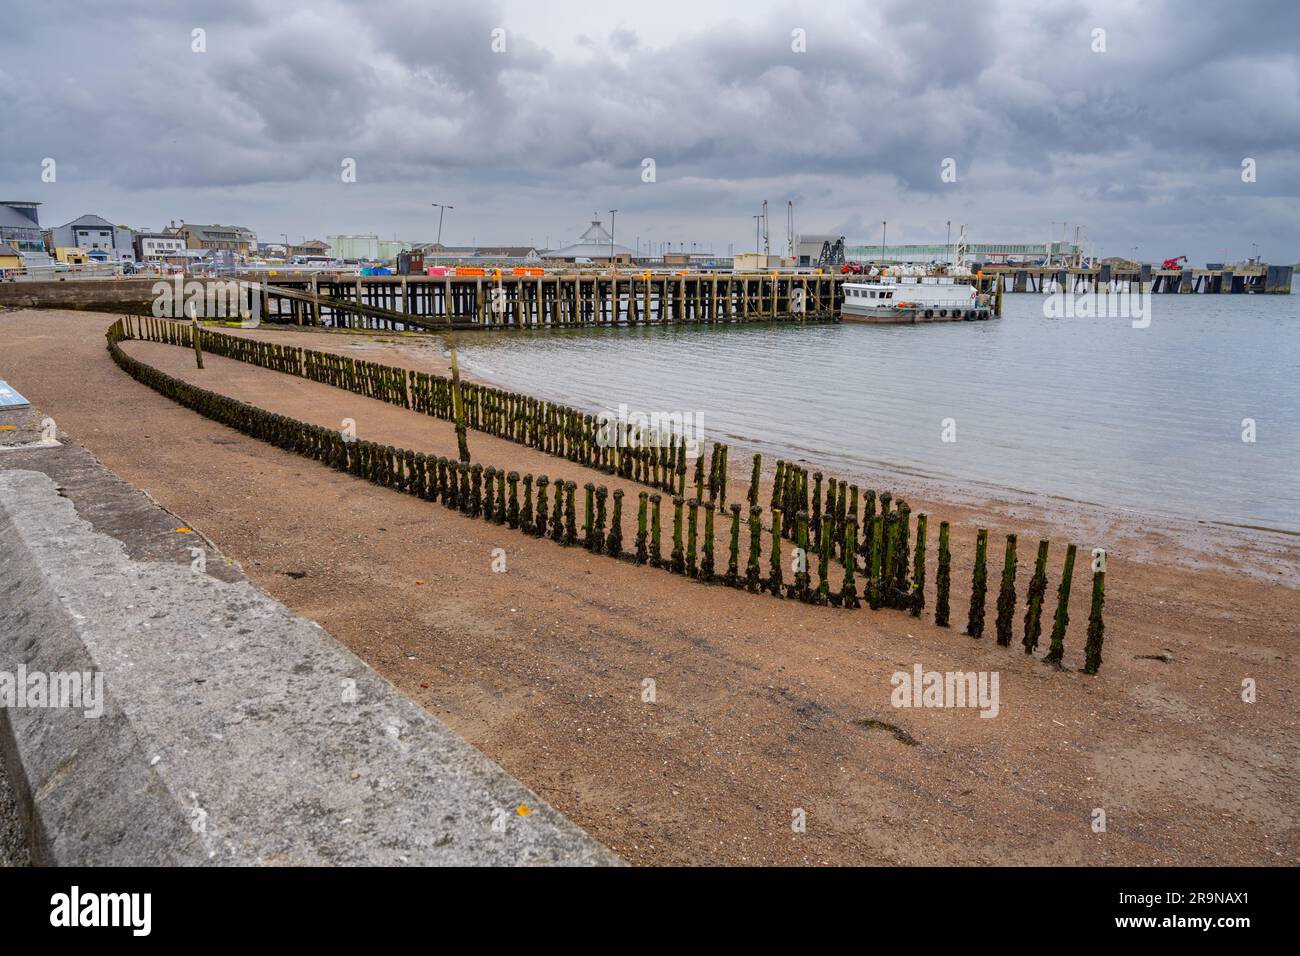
(1087, 408)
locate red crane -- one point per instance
(1173, 263)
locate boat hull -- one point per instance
(893, 316)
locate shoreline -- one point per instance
(763, 704)
(1266, 554)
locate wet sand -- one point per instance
(763, 707)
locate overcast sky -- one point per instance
(1142, 144)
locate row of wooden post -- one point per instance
(825, 526)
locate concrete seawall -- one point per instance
(232, 732)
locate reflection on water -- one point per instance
(1089, 408)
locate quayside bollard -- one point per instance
(1007, 595)
(979, 586)
(1096, 629)
(1034, 598)
(1056, 650)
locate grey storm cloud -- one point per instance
(1146, 136)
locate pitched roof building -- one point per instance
(595, 244)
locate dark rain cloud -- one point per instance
(1144, 140)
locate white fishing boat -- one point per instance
(905, 300)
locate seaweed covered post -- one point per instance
(598, 542)
(979, 586)
(824, 558)
(570, 514)
(642, 529)
(1007, 595)
(476, 491)
(678, 556)
(499, 515)
(918, 566)
(849, 590)
(876, 587)
(539, 526)
(889, 559)
(692, 532)
(868, 531)
(802, 582)
(512, 510)
(753, 480)
(1034, 598)
(1056, 651)
(458, 408)
(753, 573)
(526, 514)
(706, 559)
(943, 577)
(614, 543)
(733, 557)
(774, 579)
(656, 534)
(1096, 629)
(901, 587)
(589, 516)
(816, 521)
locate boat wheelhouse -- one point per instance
(888, 301)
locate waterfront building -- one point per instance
(596, 245)
(92, 233)
(20, 227)
(366, 248)
(158, 245)
(217, 238)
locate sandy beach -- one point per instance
(762, 707)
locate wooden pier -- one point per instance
(548, 301)
(1259, 278)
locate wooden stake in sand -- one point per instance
(1056, 651)
(979, 586)
(1034, 597)
(1007, 595)
(774, 578)
(1096, 629)
(943, 577)
(918, 567)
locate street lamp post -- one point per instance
(612, 213)
(949, 242)
(441, 211)
(884, 226)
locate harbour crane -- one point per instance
(1174, 263)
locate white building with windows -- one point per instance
(91, 233)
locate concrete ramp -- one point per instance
(232, 731)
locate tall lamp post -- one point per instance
(949, 242)
(884, 227)
(612, 214)
(441, 211)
